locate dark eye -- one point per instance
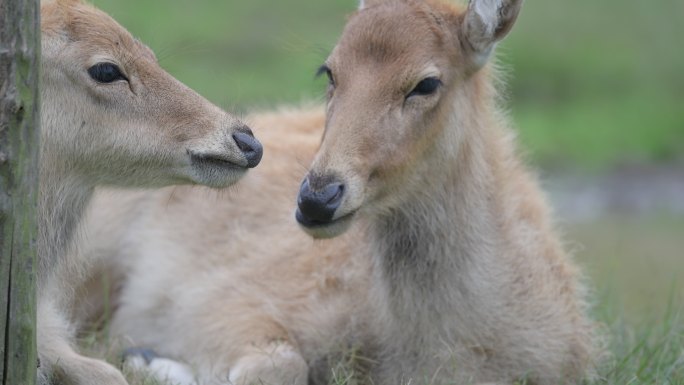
(106, 73)
(324, 69)
(426, 86)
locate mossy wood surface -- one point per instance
(19, 135)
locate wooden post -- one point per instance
(19, 135)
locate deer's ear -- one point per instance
(484, 24)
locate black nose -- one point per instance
(317, 206)
(250, 147)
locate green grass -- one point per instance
(651, 353)
(636, 266)
(593, 84)
(638, 263)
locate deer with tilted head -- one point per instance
(111, 116)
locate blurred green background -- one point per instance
(594, 86)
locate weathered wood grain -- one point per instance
(19, 145)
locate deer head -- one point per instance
(113, 116)
(403, 77)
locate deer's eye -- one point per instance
(324, 69)
(106, 73)
(427, 86)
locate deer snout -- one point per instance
(223, 158)
(250, 147)
(318, 200)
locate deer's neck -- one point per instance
(434, 250)
(429, 245)
(63, 198)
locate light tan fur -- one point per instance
(137, 132)
(442, 267)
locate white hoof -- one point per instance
(161, 369)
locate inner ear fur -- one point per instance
(485, 23)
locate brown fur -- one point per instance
(443, 265)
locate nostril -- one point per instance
(319, 206)
(334, 191)
(243, 141)
(250, 147)
(245, 130)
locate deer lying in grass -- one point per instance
(443, 265)
(111, 116)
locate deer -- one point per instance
(110, 116)
(428, 247)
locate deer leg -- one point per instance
(276, 364)
(279, 363)
(163, 370)
(80, 370)
(59, 361)
(63, 365)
